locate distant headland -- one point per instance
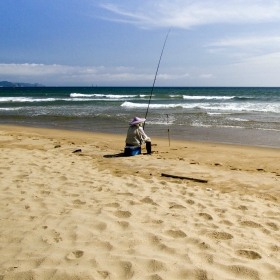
(10, 84)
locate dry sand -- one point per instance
(95, 214)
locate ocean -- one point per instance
(244, 116)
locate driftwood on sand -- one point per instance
(183, 177)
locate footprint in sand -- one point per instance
(155, 265)
(177, 206)
(148, 201)
(242, 207)
(203, 246)
(205, 216)
(123, 224)
(126, 270)
(176, 233)
(273, 226)
(45, 192)
(126, 194)
(101, 226)
(227, 222)
(242, 272)
(158, 222)
(249, 254)
(78, 202)
(122, 214)
(270, 198)
(250, 224)
(155, 277)
(275, 248)
(103, 274)
(156, 241)
(75, 255)
(189, 201)
(220, 235)
(114, 204)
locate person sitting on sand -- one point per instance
(136, 135)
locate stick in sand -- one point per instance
(168, 130)
(183, 177)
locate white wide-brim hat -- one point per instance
(136, 120)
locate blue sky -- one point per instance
(118, 43)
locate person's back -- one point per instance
(133, 137)
(136, 135)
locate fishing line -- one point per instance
(155, 77)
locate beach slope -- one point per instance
(73, 207)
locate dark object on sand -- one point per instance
(149, 147)
(183, 177)
(77, 151)
(132, 150)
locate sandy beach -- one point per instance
(73, 207)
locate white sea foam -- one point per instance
(268, 129)
(74, 95)
(217, 108)
(144, 105)
(26, 99)
(199, 124)
(217, 114)
(81, 99)
(238, 119)
(120, 96)
(240, 107)
(91, 99)
(198, 97)
(10, 109)
(50, 99)
(164, 120)
(161, 122)
(175, 95)
(110, 96)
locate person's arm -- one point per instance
(143, 135)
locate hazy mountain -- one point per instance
(10, 84)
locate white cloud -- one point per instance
(189, 13)
(263, 62)
(172, 76)
(77, 75)
(243, 48)
(256, 41)
(206, 76)
(254, 71)
(32, 69)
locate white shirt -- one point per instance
(136, 136)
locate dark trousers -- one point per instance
(149, 147)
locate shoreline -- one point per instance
(72, 206)
(163, 138)
(215, 135)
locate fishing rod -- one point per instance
(155, 77)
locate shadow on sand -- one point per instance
(115, 155)
(123, 155)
